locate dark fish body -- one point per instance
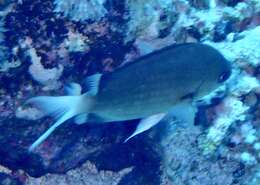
(165, 81)
(156, 82)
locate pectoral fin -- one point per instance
(184, 112)
(73, 89)
(80, 119)
(146, 124)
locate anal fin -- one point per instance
(146, 124)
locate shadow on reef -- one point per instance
(143, 155)
(72, 145)
(8, 180)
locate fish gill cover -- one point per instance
(48, 44)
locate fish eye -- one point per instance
(224, 76)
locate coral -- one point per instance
(28, 114)
(248, 158)
(231, 111)
(39, 39)
(242, 50)
(62, 41)
(184, 164)
(257, 146)
(144, 17)
(181, 22)
(244, 45)
(256, 178)
(76, 42)
(81, 10)
(243, 84)
(8, 180)
(215, 23)
(87, 174)
(2, 30)
(4, 170)
(5, 63)
(3, 49)
(249, 133)
(47, 77)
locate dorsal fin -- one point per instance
(92, 83)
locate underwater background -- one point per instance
(47, 44)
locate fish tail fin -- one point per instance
(61, 108)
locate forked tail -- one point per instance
(61, 108)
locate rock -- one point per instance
(87, 174)
(184, 163)
(8, 180)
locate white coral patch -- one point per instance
(243, 84)
(248, 158)
(81, 10)
(247, 47)
(234, 111)
(47, 77)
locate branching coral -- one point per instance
(81, 10)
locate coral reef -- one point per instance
(184, 164)
(47, 44)
(6, 177)
(87, 174)
(223, 28)
(241, 46)
(232, 110)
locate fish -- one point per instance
(165, 82)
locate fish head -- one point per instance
(215, 72)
